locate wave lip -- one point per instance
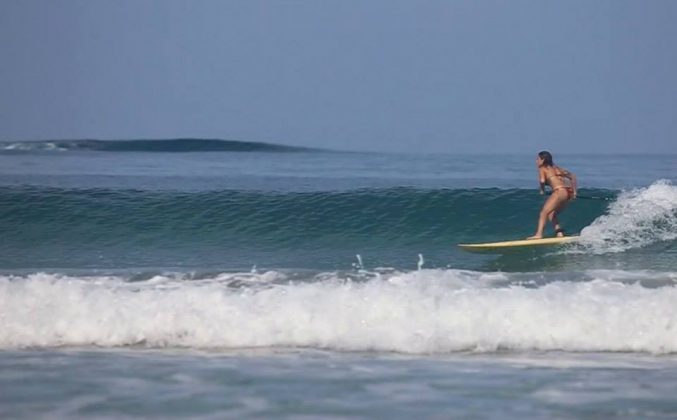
(427, 311)
(637, 218)
(146, 145)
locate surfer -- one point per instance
(563, 186)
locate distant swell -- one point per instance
(171, 145)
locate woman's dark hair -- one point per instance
(547, 158)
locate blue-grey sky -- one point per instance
(427, 76)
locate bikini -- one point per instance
(570, 196)
(570, 190)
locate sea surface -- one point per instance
(218, 279)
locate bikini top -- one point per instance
(557, 174)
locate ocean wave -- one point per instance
(637, 218)
(112, 228)
(387, 216)
(164, 145)
(426, 311)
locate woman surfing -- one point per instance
(563, 185)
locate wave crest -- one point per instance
(637, 218)
(428, 311)
(164, 145)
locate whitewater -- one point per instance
(427, 311)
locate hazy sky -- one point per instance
(429, 76)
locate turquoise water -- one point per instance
(241, 279)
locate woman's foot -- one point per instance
(560, 233)
(535, 237)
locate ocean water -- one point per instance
(214, 279)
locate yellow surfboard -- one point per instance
(499, 247)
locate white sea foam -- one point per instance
(427, 311)
(637, 218)
(31, 146)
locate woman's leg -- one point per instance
(555, 221)
(553, 216)
(552, 205)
